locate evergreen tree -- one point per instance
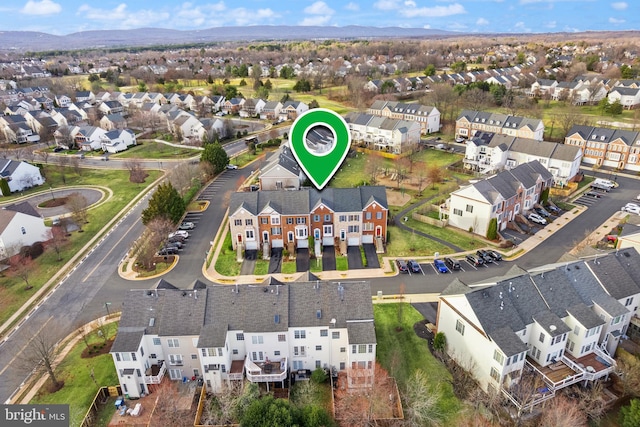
(165, 203)
(216, 156)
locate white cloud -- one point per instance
(242, 16)
(434, 12)
(315, 20)
(352, 6)
(551, 24)
(520, 27)
(44, 7)
(122, 17)
(410, 3)
(426, 27)
(482, 21)
(386, 4)
(319, 8)
(189, 15)
(616, 21)
(620, 5)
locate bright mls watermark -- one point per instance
(34, 415)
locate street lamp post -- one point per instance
(106, 305)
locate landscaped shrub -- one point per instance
(492, 231)
(319, 376)
(439, 341)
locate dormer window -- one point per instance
(602, 138)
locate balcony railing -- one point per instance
(258, 374)
(156, 379)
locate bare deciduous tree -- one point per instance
(166, 411)
(40, 354)
(78, 204)
(421, 400)
(182, 177)
(562, 412)
(22, 267)
(136, 173)
(56, 239)
(434, 175)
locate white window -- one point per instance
(248, 221)
(175, 359)
(327, 217)
(495, 374)
(237, 222)
(173, 342)
(156, 341)
(335, 335)
(460, 327)
(378, 215)
(457, 211)
(470, 208)
(324, 332)
(275, 220)
(498, 357)
(250, 235)
(301, 220)
(301, 232)
(239, 337)
(327, 230)
(257, 339)
(299, 334)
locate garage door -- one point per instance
(353, 241)
(302, 243)
(252, 245)
(367, 238)
(327, 241)
(277, 243)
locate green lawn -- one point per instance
(315, 265)
(407, 244)
(149, 149)
(13, 292)
(79, 389)
(403, 352)
(351, 173)
(449, 234)
(342, 263)
(262, 267)
(226, 263)
(288, 267)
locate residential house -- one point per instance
(186, 125)
(232, 106)
(340, 216)
(629, 97)
(117, 140)
(542, 88)
(629, 237)
(20, 175)
(282, 172)
(63, 101)
(85, 97)
(111, 107)
(252, 107)
(88, 138)
(20, 225)
(427, 116)
(502, 196)
(215, 126)
(615, 148)
(292, 109)
(489, 153)
(271, 110)
(217, 102)
(469, 122)
(561, 323)
(113, 121)
(382, 133)
(263, 333)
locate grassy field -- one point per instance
(79, 389)
(342, 263)
(149, 149)
(14, 292)
(402, 353)
(262, 267)
(407, 244)
(226, 263)
(449, 234)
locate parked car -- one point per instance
(176, 238)
(542, 212)
(553, 209)
(631, 209)
(440, 266)
(632, 205)
(402, 266)
(533, 217)
(232, 167)
(186, 226)
(452, 263)
(178, 245)
(488, 259)
(414, 266)
(495, 255)
(593, 194)
(58, 149)
(474, 260)
(179, 233)
(459, 139)
(168, 251)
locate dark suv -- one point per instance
(414, 266)
(452, 263)
(488, 259)
(474, 260)
(495, 255)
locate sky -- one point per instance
(482, 16)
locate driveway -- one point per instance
(371, 255)
(328, 258)
(249, 263)
(354, 257)
(275, 263)
(428, 309)
(302, 260)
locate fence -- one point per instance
(101, 397)
(429, 220)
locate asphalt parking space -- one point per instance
(354, 258)
(371, 255)
(328, 258)
(302, 259)
(275, 262)
(249, 263)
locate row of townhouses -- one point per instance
(266, 333)
(341, 217)
(488, 152)
(383, 133)
(560, 322)
(615, 148)
(427, 116)
(469, 122)
(589, 90)
(502, 196)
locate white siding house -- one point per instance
(20, 225)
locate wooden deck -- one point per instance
(558, 372)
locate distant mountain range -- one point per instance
(35, 41)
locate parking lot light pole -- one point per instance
(106, 305)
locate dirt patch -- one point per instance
(421, 330)
(395, 198)
(97, 349)
(53, 203)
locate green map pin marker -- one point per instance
(320, 141)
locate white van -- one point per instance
(604, 182)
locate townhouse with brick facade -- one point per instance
(615, 148)
(428, 117)
(262, 220)
(265, 333)
(469, 122)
